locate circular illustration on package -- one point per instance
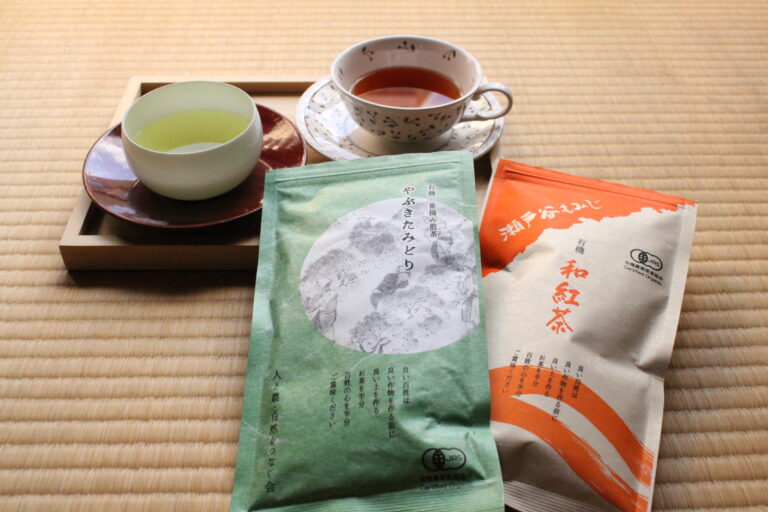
(394, 277)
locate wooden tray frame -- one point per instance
(94, 240)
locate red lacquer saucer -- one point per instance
(113, 186)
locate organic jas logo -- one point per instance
(443, 459)
(646, 258)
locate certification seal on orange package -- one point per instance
(584, 282)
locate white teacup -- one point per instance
(407, 124)
(206, 167)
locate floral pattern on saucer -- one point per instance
(327, 127)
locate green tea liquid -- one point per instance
(191, 130)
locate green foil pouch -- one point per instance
(367, 385)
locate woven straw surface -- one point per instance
(122, 390)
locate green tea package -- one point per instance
(367, 384)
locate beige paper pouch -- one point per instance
(583, 282)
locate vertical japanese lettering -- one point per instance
(432, 194)
(408, 228)
(565, 294)
(274, 430)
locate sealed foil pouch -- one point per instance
(367, 381)
(583, 283)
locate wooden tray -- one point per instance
(94, 239)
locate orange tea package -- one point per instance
(583, 282)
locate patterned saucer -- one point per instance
(324, 123)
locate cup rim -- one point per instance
(357, 46)
(254, 115)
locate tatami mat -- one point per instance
(122, 390)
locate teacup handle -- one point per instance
(493, 114)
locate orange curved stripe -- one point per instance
(638, 458)
(581, 457)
